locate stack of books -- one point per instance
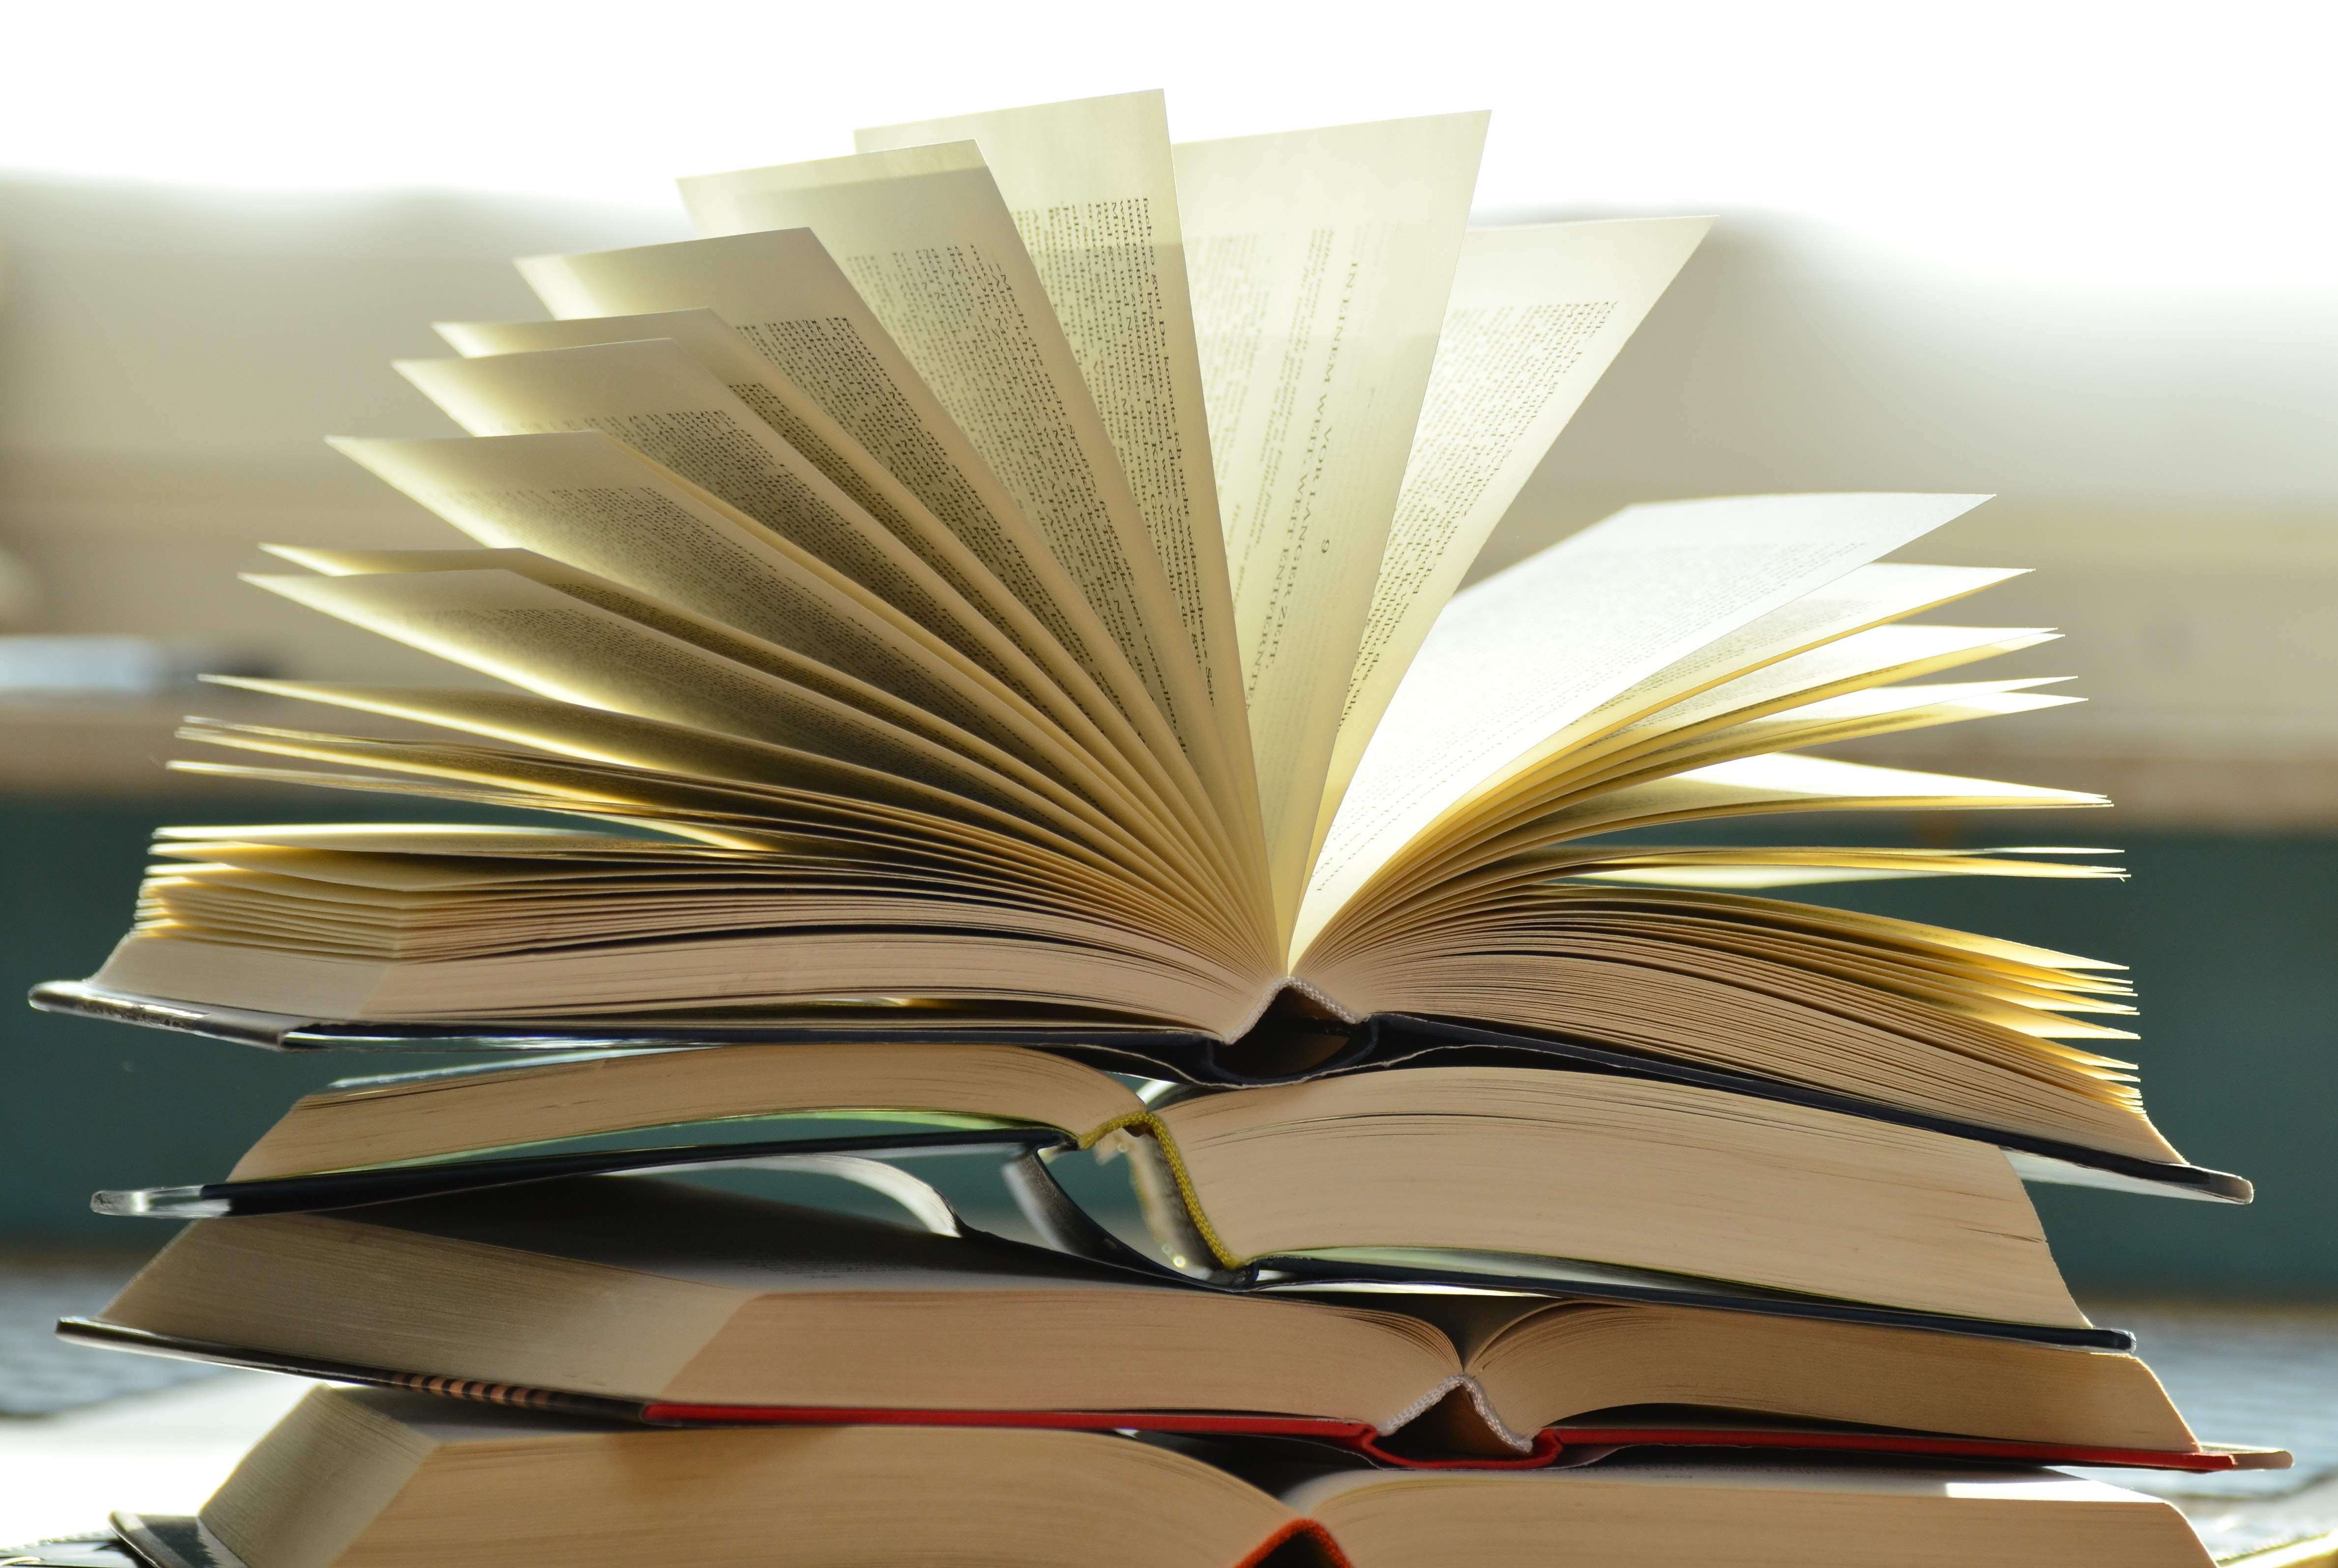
(983, 624)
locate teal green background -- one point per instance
(2229, 937)
(2230, 941)
(96, 1105)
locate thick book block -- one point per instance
(368, 1480)
(666, 1302)
(1655, 1176)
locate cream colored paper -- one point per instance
(653, 768)
(1519, 658)
(698, 331)
(1849, 716)
(926, 238)
(1751, 786)
(1321, 263)
(655, 398)
(1773, 654)
(1862, 660)
(542, 640)
(805, 426)
(1789, 783)
(1094, 194)
(788, 409)
(785, 295)
(1538, 315)
(583, 497)
(1855, 664)
(764, 630)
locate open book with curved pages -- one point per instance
(662, 1302)
(356, 1479)
(978, 641)
(1660, 1179)
(1007, 579)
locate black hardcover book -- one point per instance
(1278, 1050)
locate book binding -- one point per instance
(1280, 1051)
(1063, 1227)
(1563, 1442)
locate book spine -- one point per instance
(511, 1395)
(1327, 1551)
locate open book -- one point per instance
(662, 1302)
(1007, 577)
(366, 1479)
(1657, 1178)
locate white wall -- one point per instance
(2167, 460)
(171, 357)
(171, 360)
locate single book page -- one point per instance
(705, 336)
(1521, 656)
(1538, 315)
(1094, 193)
(1321, 263)
(926, 238)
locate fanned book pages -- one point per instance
(1004, 580)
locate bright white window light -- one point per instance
(2132, 140)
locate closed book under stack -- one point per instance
(982, 629)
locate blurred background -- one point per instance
(2078, 256)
